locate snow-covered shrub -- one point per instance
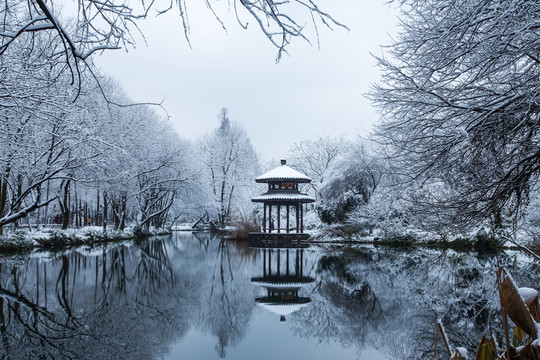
(393, 227)
(350, 185)
(336, 211)
(140, 233)
(311, 220)
(15, 241)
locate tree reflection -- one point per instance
(134, 301)
(391, 300)
(154, 269)
(228, 310)
(103, 304)
(345, 307)
(28, 329)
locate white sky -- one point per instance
(312, 92)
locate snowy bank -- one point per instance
(47, 239)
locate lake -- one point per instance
(194, 296)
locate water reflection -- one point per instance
(195, 296)
(283, 286)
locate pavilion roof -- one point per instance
(290, 282)
(283, 196)
(283, 173)
(282, 309)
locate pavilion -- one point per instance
(283, 209)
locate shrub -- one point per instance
(243, 225)
(139, 233)
(15, 242)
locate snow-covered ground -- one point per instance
(47, 237)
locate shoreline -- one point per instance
(20, 242)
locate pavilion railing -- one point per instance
(275, 239)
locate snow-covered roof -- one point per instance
(283, 173)
(282, 309)
(282, 196)
(276, 284)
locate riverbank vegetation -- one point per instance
(57, 240)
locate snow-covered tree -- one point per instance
(39, 130)
(350, 183)
(459, 97)
(163, 170)
(84, 161)
(316, 157)
(144, 166)
(229, 165)
(96, 25)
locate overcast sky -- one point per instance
(311, 92)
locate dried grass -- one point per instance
(242, 225)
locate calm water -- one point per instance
(197, 297)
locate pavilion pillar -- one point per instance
(269, 262)
(264, 219)
(270, 217)
(278, 262)
(297, 222)
(264, 262)
(301, 262)
(301, 218)
(288, 218)
(279, 218)
(287, 257)
(297, 265)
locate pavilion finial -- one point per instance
(283, 162)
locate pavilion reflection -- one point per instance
(283, 278)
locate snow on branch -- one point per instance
(108, 24)
(10, 218)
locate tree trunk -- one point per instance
(86, 215)
(222, 216)
(76, 209)
(64, 204)
(46, 216)
(123, 212)
(3, 198)
(38, 218)
(105, 210)
(96, 215)
(19, 193)
(80, 213)
(115, 207)
(229, 202)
